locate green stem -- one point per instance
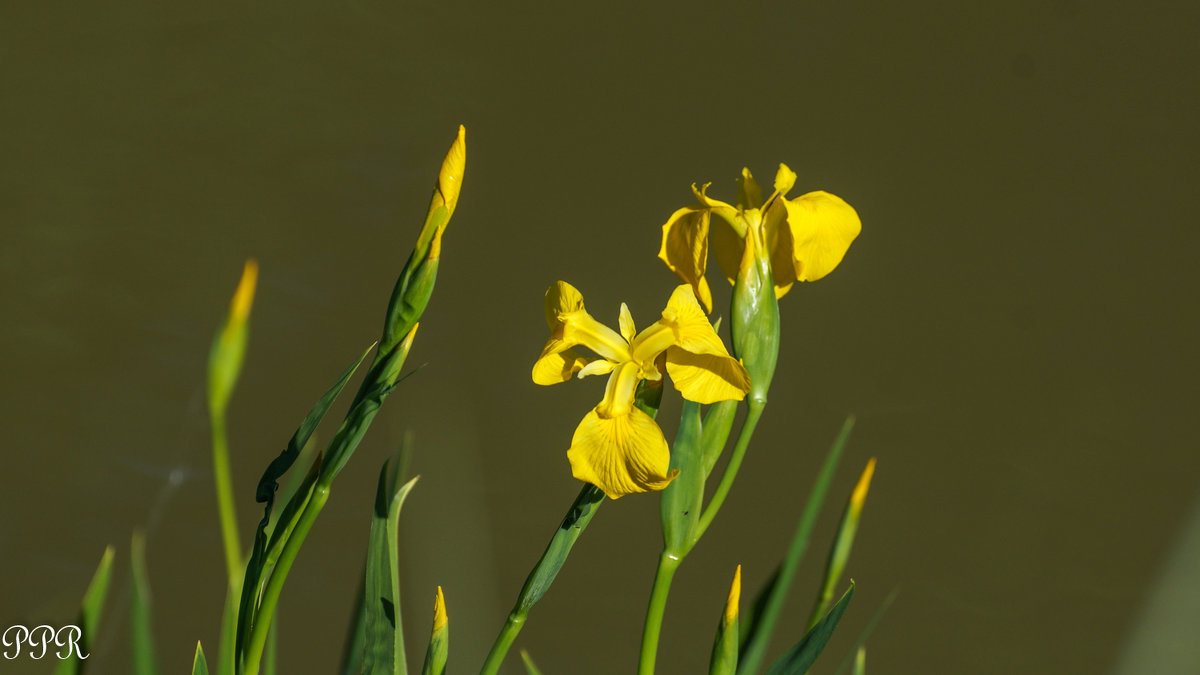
(225, 505)
(274, 586)
(731, 470)
(544, 572)
(508, 635)
(668, 562)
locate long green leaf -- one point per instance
(760, 624)
(89, 616)
(141, 625)
(384, 649)
(267, 485)
(800, 658)
(530, 667)
(199, 665)
(356, 636)
(866, 632)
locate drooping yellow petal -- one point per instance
(707, 378)
(685, 249)
(823, 227)
(558, 363)
(621, 455)
(749, 193)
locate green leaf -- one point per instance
(870, 627)
(271, 654)
(267, 485)
(800, 658)
(759, 625)
(543, 573)
(228, 634)
(141, 625)
(384, 647)
(839, 554)
(199, 665)
(356, 637)
(89, 615)
(682, 499)
(530, 667)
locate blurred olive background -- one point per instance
(1015, 328)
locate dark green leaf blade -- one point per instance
(141, 624)
(199, 665)
(761, 622)
(89, 615)
(384, 637)
(800, 658)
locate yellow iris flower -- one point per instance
(803, 238)
(618, 447)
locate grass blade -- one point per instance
(141, 625)
(89, 615)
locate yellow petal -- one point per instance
(691, 327)
(707, 378)
(625, 323)
(558, 363)
(561, 299)
(451, 175)
(570, 323)
(685, 249)
(780, 247)
(621, 455)
(597, 367)
(749, 193)
(823, 226)
(727, 246)
(785, 178)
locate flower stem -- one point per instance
(731, 470)
(225, 505)
(668, 562)
(544, 572)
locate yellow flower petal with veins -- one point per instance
(823, 226)
(621, 455)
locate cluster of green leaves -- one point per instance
(255, 581)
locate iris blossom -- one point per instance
(618, 447)
(803, 238)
